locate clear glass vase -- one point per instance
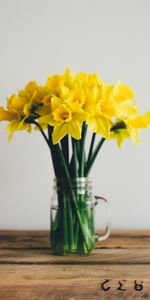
(72, 217)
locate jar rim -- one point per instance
(76, 179)
(76, 183)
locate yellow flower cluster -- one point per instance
(66, 101)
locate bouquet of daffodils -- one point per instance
(63, 110)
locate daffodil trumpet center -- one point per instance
(62, 114)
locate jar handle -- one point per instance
(107, 228)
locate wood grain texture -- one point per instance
(118, 268)
(98, 256)
(40, 239)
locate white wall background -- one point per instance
(39, 37)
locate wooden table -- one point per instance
(118, 268)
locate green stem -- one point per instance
(42, 132)
(90, 163)
(60, 159)
(59, 154)
(65, 225)
(78, 149)
(50, 145)
(91, 147)
(55, 159)
(71, 191)
(79, 145)
(71, 228)
(119, 125)
(65, 148)
(82, 158)
(73, 166)
(77, 153)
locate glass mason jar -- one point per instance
(72, 217)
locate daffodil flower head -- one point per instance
(67, 100)
(62, 114)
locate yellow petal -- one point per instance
(121, 92)
(141, 121)
(55, 103)
(126, 110)
(100, 125)
(120, 135)
(80, 116)
(74, 128)
(7, 116)
(16, 103)
(47, 120)
(12, 126)
(134, 134)
(31, 86)
(103, 127)
(108, 108)
(43, 110)
(59, 132)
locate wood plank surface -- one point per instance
(40, 239)
(98, 256)
(118, 268)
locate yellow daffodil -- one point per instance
(67, 100)
(13, 114)
(35, 97)
(132, 128)
(74, 97)
(16, 103)
(120, 135)
(121, 92)
(65, 118)
(100, 110)
(84, 80)
(125, 133)
(122, 96)
(56, 82)
(14, 118)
